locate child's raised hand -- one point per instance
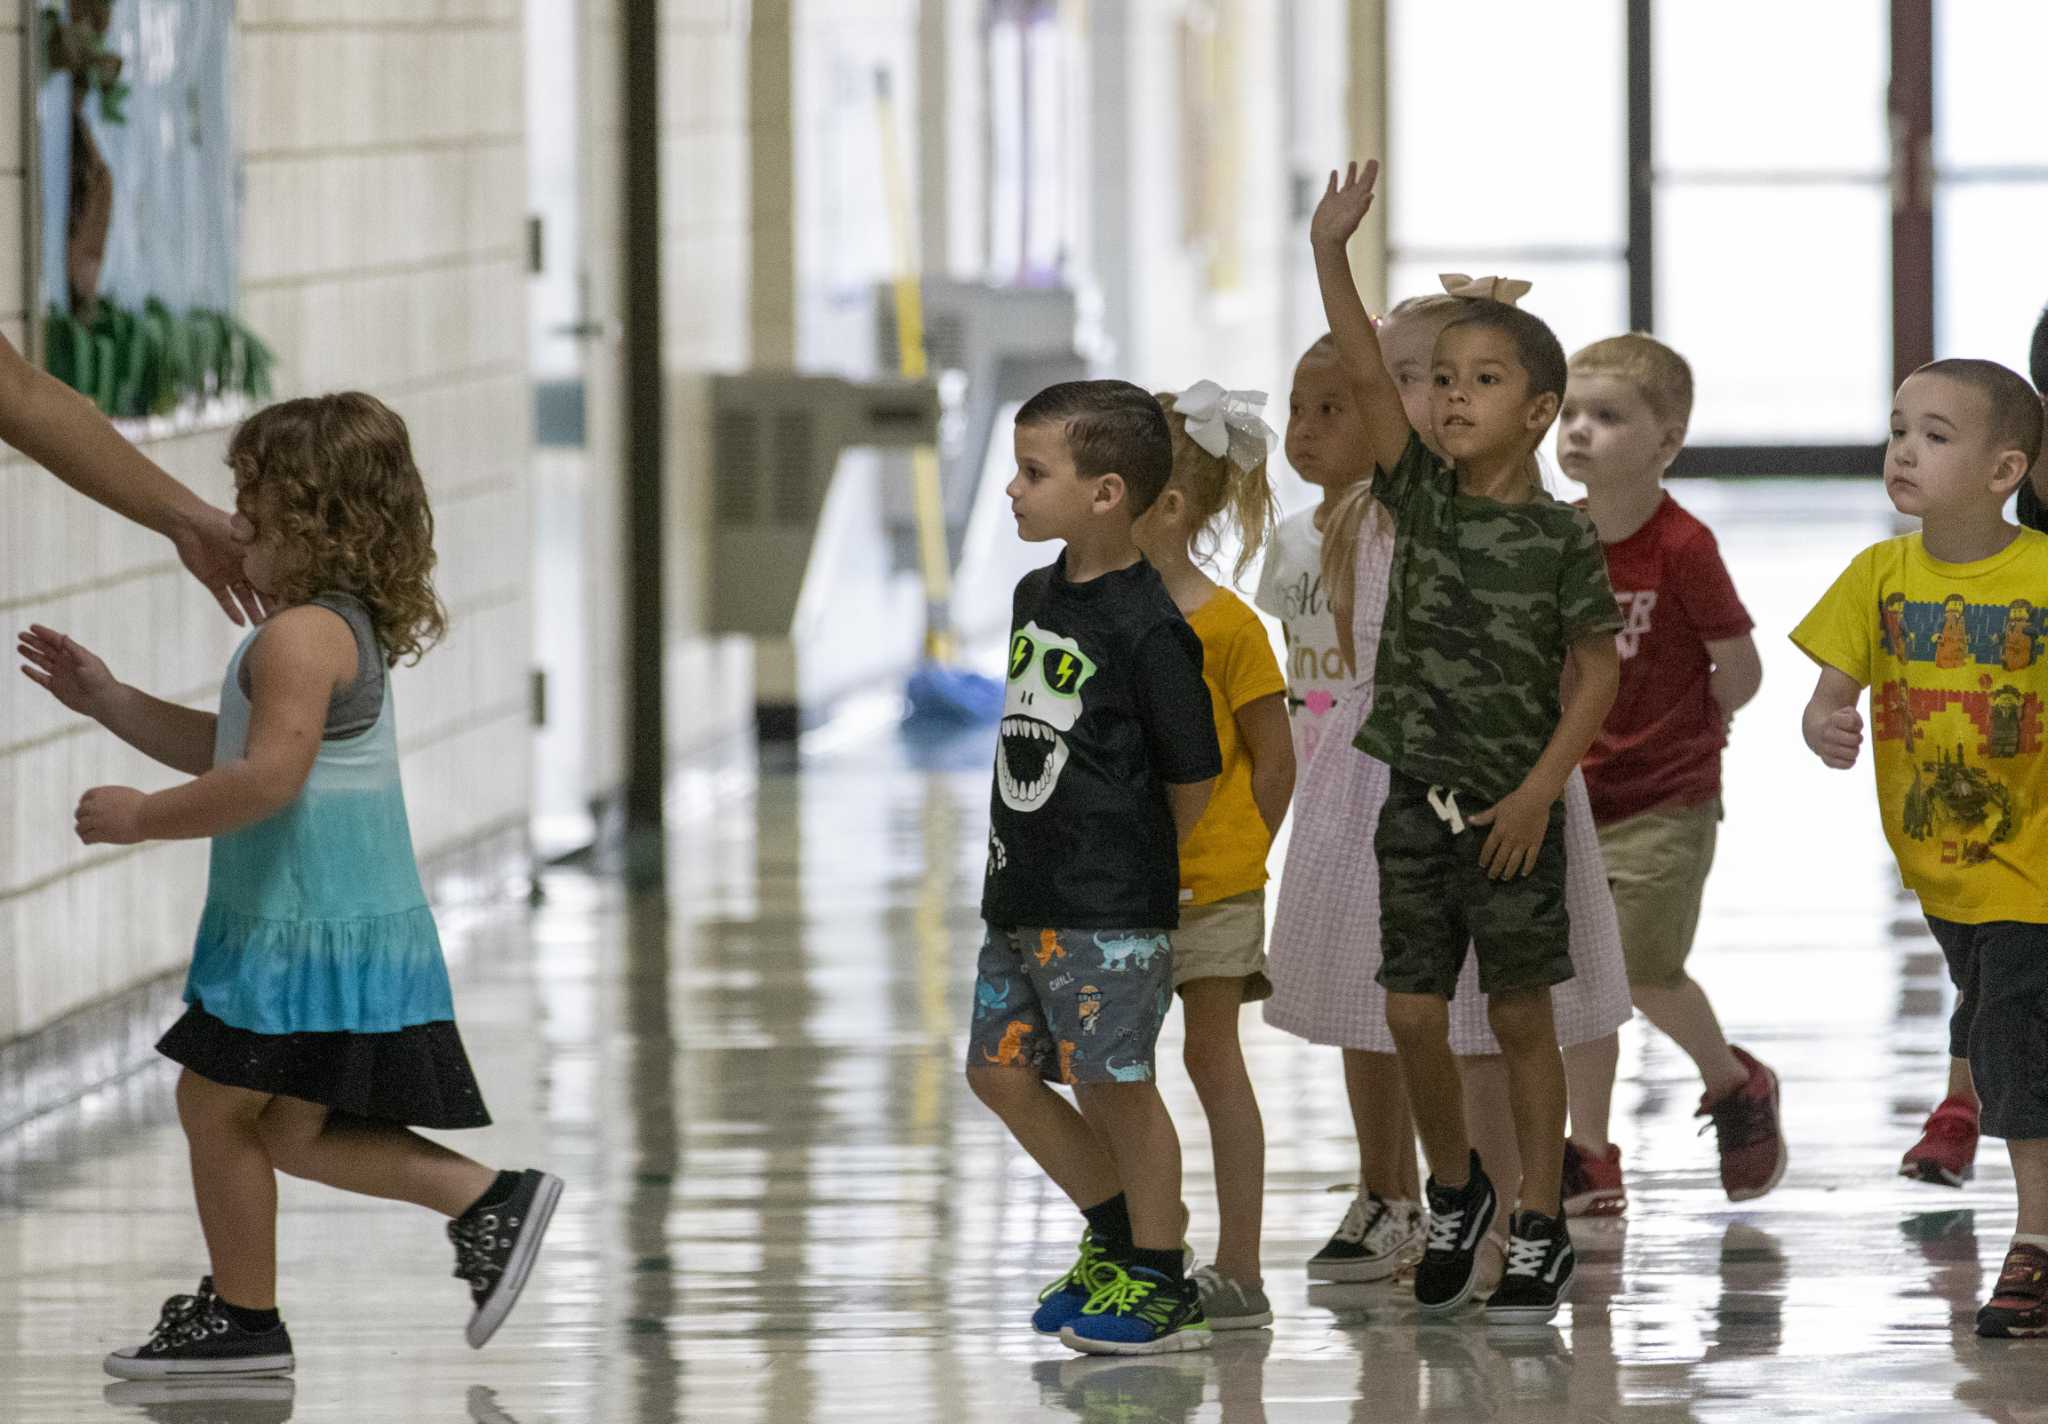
(110, 815)
(1838, 738)
(66, 669)
(1519, 822)
(1344, 205)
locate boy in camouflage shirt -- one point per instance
(1496, 669)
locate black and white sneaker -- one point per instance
(195, 1336)
(1371, 1242)
(1539, 1271)
(495, 1245)
(1458, 1220)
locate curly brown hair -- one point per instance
(351, 508)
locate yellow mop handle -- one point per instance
(924, 460)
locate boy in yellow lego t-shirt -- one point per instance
(1946, 628)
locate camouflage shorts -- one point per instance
(1435, 899)
(1079, 1006)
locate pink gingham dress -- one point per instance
(1325, 946)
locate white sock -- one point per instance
(2023, 1239)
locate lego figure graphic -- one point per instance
(2019, 635)
(1952, 650)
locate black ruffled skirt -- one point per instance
(419, 1076)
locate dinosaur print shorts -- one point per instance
(1079, 1006)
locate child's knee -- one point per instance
(205, 1106)
(1002, 1087)
(1417, 1016)
(1522, 1021)
(1213, 1062)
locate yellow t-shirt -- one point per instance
(1953, 655)
(1226, 854)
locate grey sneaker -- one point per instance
(1229, 1305)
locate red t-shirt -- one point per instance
(1661, 745)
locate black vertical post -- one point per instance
(646, 737)
(1642, 174)
(1911, 106)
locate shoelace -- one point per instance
(1525, 1255)
(184, 1318)
(1738, 1121)
(1358, 1222)
(474, 1242)
(1085, 1274)
(1445, 1229)
(1124, 1294)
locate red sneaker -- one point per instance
(1746, 1124)
(1592, 1185)
(2018, 1308)
(1946, 1153)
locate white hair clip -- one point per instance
(1505, 290)
(1227, 423)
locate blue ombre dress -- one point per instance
(317, 971)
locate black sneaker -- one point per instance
(195, 1336)
(495, 1246)
(1458, 1220)
(1539, 1271)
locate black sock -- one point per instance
(496, 1194)
(1166, 1263)
(256, 1322)
(1111, 1223)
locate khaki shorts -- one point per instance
(1225, 939)
(1657, 866)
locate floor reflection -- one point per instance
(785, 1206)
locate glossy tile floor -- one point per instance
(785, 1206)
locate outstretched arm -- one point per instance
(1343, 207)
(65, 433)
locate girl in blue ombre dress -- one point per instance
(321, 1028)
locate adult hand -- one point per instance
(211, 544)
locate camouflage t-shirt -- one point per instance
(1483, 602)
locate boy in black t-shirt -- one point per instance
(1106, 759)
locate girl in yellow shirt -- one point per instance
(1219, 484)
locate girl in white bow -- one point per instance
(1219, 488)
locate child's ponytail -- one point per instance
(1220, 444)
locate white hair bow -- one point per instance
(1505, 290)
(1227, 423)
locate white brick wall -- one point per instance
(381, 249)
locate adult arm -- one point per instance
(65, 433)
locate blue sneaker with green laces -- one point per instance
(1059, 1304)
(1136, 1311)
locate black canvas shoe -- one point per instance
(1539, 1271)
(495, 1246)
(195, 1336)
(1457, 1224)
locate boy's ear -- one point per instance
(1542, 411)
(2011, 468)
(1109, 492)
(1671, 444)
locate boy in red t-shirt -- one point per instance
(1687, 664)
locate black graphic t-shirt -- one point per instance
(1105, 708)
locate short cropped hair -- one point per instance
(1111, 427)
(1656, 373)
(1536, 345)
(2016, 416)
